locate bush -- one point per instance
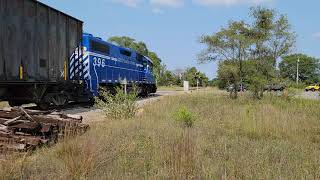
(117, 106)
(184, 116)
(289, 93)
(292, 84)
(257, 85)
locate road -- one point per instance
(309, 95)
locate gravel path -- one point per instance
(309, 95)
(91, 114)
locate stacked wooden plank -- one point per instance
(23, 130)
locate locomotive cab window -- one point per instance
(139, 57)
(99, 47)
(125, 52)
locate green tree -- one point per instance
(267, 38)
(167, 78)
(158, 66)
(228, 74)
(228, 44)
(308, 68)
(193, 75)
(131, 43)
(272, 34)
(273, 38)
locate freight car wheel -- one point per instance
(43, 105)
(15, 103)
(59, 100)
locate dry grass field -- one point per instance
(272, 138)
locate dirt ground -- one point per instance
(92, 114)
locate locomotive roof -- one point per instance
(100, 39)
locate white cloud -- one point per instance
(158, 5)
(129, 3)
(317, 35)
(167, 3)
(157, 11)
(229, 2)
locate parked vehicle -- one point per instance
(240, 88)
(315, 87)
(274, 87)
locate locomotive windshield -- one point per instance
(139, 57)
(99, 47)
(125, 52)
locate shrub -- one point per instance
(184, 116)
(290, 92)
(117, 106)
(293, 84)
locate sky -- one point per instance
(172, 28)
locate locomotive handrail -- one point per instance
(76, 66)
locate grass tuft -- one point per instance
(119, 105)
(184, 116)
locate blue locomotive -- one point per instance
(106, 65)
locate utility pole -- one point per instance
(298, 70)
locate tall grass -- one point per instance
(119, 105)
(231, 139)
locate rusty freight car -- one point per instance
(36, 43)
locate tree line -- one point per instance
(254, 53)
(248, 52)
(285, 74)
(163, 76)
(176, 77)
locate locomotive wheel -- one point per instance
(43, 105)
(144, 92)
(91, 102)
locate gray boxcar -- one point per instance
(36, 42)
(37, 38)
